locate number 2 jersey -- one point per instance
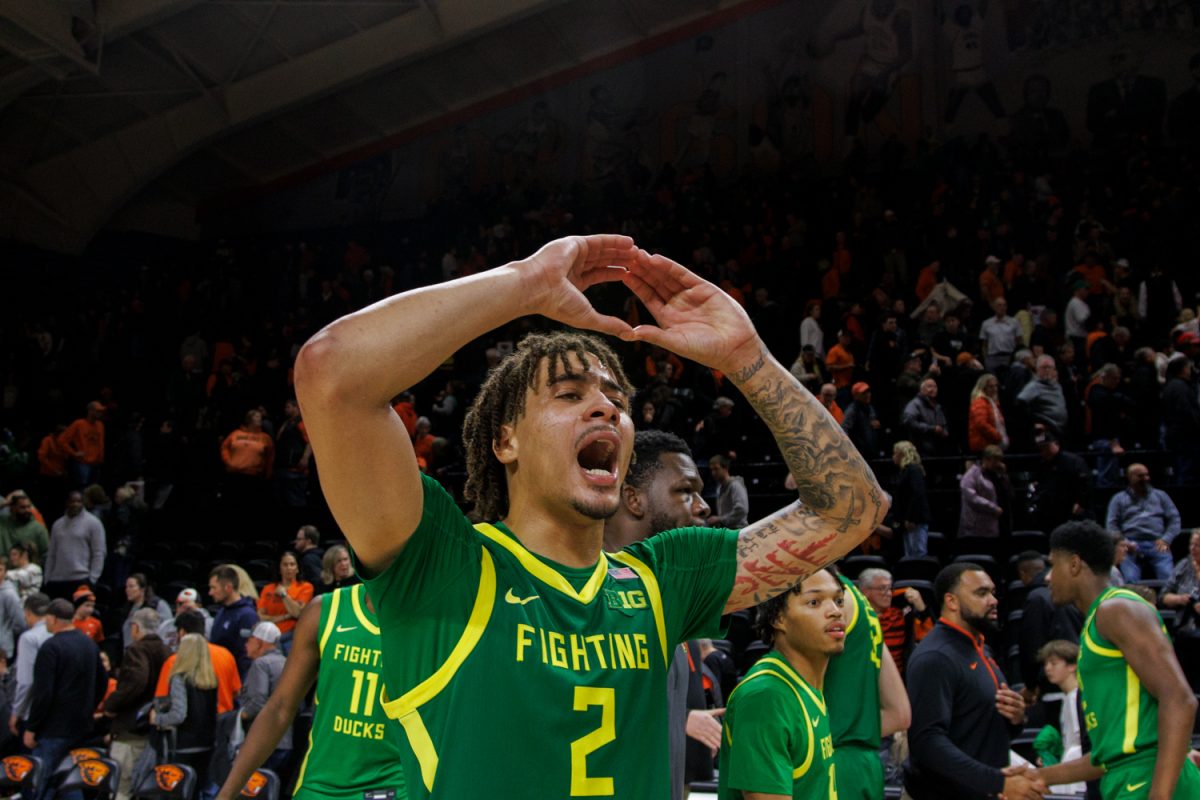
(353, 749)
(536, 679)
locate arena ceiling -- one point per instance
(147, 109)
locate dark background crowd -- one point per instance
(1009, 337)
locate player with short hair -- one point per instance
(516, 648)
(777, 743)
(354, 749)
(1137, 705)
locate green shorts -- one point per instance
(1130, 780)
(859, 773)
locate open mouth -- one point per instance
(597, 455)
(837, 631)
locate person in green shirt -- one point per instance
(777, 743)
(20, 526)
(866, 698)
(516, 648)
(1137, 705)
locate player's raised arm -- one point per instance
(840, 501)
(348, 372)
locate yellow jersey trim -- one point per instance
(1133, 698)
(849, 594)
(543, 571)
(422, 746)
(816, 697)
(799, 771)
(429, 688)
(356, 595)
(330, 621)
(655, 594)
(1092, 644)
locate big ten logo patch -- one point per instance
(628, 602)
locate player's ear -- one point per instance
(505, 446)
(633, 501)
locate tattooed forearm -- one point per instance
(841, 503)
(746, 373)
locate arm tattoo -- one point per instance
(840, 500)
(746, 373)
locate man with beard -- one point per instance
(1137, 704)
(964, 715)
(662, 492)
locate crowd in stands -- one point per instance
(1009, 337)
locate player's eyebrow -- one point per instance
(606, 383)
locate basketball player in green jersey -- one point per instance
(777, 744)
(353, 749)
(1137, 705)
(866, 700)
(516, 648)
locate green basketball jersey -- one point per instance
(852, 681)
(1121, 716)
(542, 680)
(776, 737)
(353, 749)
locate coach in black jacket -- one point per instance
(68, 682)
(964, 713)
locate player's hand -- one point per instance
(702, 725)
(561, 270)
(914, 598)
(695, 319)
(1194, 757)
(1022, 784)
(1161, 546)
(1010, 704)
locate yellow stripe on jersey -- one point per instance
(1133, 698)
(651, 583)
(429, 688)
(817, 699)
(356, 595)
(422, 746)
(812, 734)
(851, 600)
(1100, 650)
(542, 571)
(1092, 644)
(334, 598)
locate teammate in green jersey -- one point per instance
(518, 649)
(353, 749)
(866, 699)
(1137, 705)
(777, 743)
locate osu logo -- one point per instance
(93, 772)
(167, 776)
(17, 767)
(83, 754)
(256, 784)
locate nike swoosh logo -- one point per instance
(1133, 787)
(511, 598)
(344, 628)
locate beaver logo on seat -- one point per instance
(16, 768)
(255, 785)
(83, 754)
(93, 772)
(167, 777)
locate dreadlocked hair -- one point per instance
(501, 401)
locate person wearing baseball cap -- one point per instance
(85, 609)
(261, 680)
(1064, 482)
(861, 423)
(187, 600)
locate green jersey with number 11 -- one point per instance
(541, 680)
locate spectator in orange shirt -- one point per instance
(990, 285)
(828, 398)
(85, 607)
(423, 440)
(929, 278)
(840, 362)
(282, 601)
(229, 680)
(52, 456)
(405, 407)
(83, 441)
(249, 450)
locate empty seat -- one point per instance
(921, 568)
(852, 566)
